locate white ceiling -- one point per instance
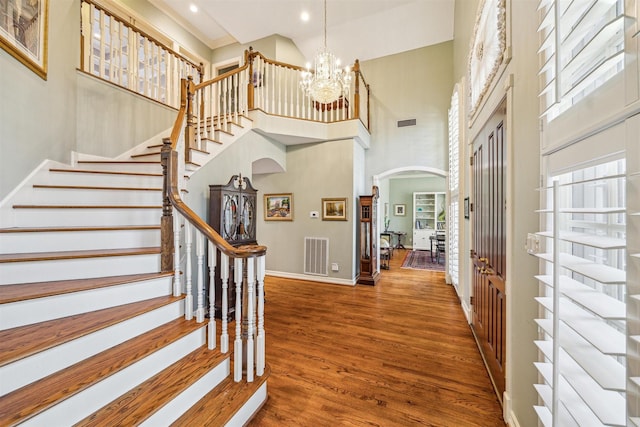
(356, 29)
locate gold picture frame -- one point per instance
(24, 32)
(334, 209)
(278, 207)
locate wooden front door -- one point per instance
(489, 304)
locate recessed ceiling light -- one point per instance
(193, 8)
(304, 16)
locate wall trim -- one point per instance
(310, 278)
(507, 412)
(391, 172)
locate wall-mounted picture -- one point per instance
(278, 207)
(23, 32)
(399, 210)
(334, 209)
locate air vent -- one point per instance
(316, 256)
(404, 123)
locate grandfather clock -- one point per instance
(367, 216)
(232, 213)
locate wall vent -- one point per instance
(316, 256)
(408, 122)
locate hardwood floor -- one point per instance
(397, 354)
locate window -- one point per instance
(582, 47)
(582, 296)
(145, 68)
(454, 179)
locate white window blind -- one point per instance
(582, 46)
(582, 299)
(454, 179)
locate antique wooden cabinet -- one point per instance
(367, 216)
(232, 213)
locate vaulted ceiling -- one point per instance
(356, 29)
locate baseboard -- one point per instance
(466, 309)
(507, 413)
(311, 278)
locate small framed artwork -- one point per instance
(399, 210)
(334, 209)
(466, 208)
(23, 33)
(278, 207)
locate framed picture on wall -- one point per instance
(334, 209)
(278, 207)
(23, 33)
(399, 210)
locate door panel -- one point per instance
(488, 253)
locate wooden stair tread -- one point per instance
(142, 401)
(119, 162)
(88, 187)
(218, 406)
(77, 228)
(215, 141)
(24, 341)
(87, 207)
(94, 253)
(31, 399)
(27, 291)
(107, 172)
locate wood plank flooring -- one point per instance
(397, 354)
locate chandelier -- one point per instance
(328, 81)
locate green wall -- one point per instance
(313, 171)
(401, 192)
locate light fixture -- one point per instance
(328, 81)
(193, 8)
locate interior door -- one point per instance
(489, 305)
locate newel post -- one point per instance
(166, 222)
(356, 94)
(190, 130)
(250, 84)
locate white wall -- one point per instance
(515, 85)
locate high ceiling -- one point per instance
(356, 29)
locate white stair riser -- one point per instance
(84, 268)
(29, 369)
(154, 167)
(249, 408)
(79, 406)
(43, 217)
(185, 400)
(114, 180)
(77, 240)
(37, 310)
(75, 196)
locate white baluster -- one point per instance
(237, 344)
(196, 113)
(236, 89)
(250, 308)
(224, 275)
(211, 339)
(273, 88)
(260, 340)
(188, 301)
(200, 263)
(177, 285)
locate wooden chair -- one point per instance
(440, 246)
(386, 242)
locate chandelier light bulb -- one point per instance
(328, 81)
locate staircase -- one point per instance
(91, 332)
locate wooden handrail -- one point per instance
(170, 166)
(177, 126)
